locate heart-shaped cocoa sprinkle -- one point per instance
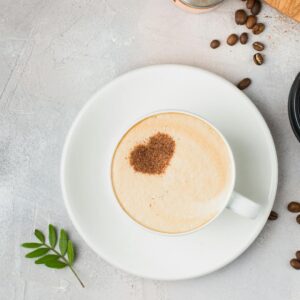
(154, 156)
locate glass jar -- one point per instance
(197, 6)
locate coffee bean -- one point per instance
(298, 255)
(251, 21)
(298, 219)
(244, 38)
(214, 44)
(273, 215)
(258, 28)
(295, 263)
(294, 207)
(250, 3)
(244, 83)
(232, 39)
(258, 59)
(256, 8)
(240, 17)
(258, 46)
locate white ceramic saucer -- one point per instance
(85, 171)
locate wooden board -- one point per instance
(290, 8)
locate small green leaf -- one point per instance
(71, 252)
(55, 264)
(39, 235)
(47, 258)
(52, 236)
(63, 242)
(31, 245)
(37, 252)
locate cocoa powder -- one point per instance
(154, 156)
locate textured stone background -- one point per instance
(54, 56)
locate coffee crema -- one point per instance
(171, 172)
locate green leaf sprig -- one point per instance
(56, 260)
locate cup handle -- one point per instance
(243, 206)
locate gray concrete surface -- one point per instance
(54, 56)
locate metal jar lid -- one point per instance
(294, 107)
(200, 4)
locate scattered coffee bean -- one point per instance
(294, 207)
(251, 21)
(232, 39)
(244, 38)
(256, 8)
(298, 255)
(250, 3)
(244, 83)
(240, 17)
(258, 28)
(295, 263)
(273, 215)
(258, 46)
(214, 44)
(258, 59)
(298, 219)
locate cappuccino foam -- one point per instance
(191, 190)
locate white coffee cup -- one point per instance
(233, 200)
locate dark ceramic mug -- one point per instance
(294, 106)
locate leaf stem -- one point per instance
(73, 271)
(67, 263)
